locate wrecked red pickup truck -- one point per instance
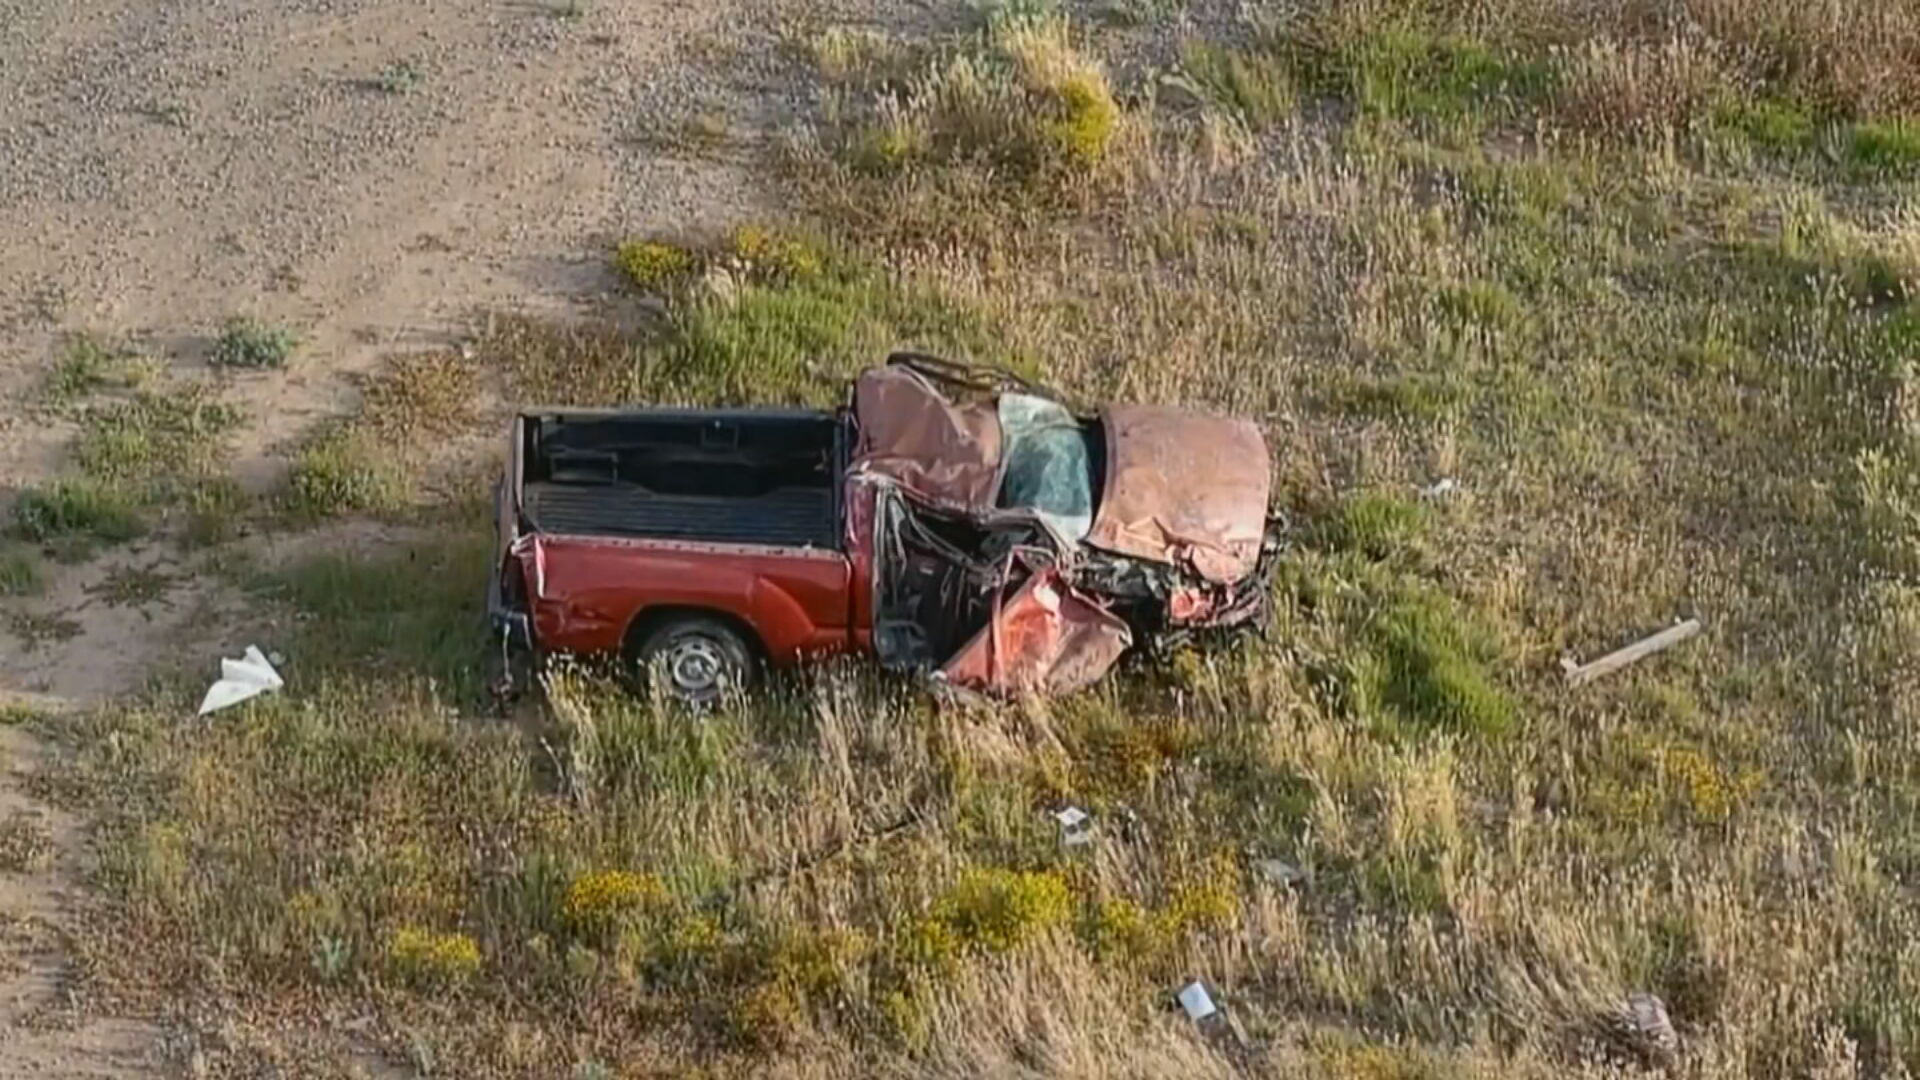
(951, 518)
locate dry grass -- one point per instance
(1020, 98)
(370, 463)
(1666, 379)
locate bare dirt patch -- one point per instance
(366, 174)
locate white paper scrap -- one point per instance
(1198, 1003)
(1075, 826)
(248, 677)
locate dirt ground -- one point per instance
(368, 172)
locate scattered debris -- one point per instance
(1197, 1001)
(1209, 1017)
(1280, 872)
(248, 677)
(1179, 91)
(1076, 826)
(1646, 1030)
(1579, 674)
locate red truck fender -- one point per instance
(587, 593)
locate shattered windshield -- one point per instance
(1051, 463)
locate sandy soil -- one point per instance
(372, 173)
(163, 167)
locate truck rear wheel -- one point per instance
(698, 658)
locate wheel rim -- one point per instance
(697, 666)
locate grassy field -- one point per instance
(1639, 281)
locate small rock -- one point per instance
(1280, 872)
(1179, 92)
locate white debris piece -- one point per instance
(1280, 872)
(1579, 674)
(1076, 826)
(1198, 1003)
(248, 677)
(1440, 488)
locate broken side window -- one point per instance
(1051, 463)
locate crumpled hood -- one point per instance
(1184, 487)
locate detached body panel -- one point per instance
(1046, 639)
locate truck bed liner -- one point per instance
(784, 517)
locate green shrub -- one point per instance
(215, 511)
(347, 470)
(1884, 149)
(860, 57)
(1021, 99)
(410, 610)
(75, 515)
(795, 337)
(1773, 124)
(1377, 524)
(85, 366)
(424, 957)
(156, 439)
(652, 265)
(400, 77)
(1420, 396)
(1255, 87)
(247, 343)
(1432, 669)
(1004, 15)
(1398, 68)
(1485, 305)
(890, 145)
(20, 573)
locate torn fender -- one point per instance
(1047, 639)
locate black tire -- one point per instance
(698, 659)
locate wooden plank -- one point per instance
(1581, 674)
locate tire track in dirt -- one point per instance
(46, 1030)
(372, 173)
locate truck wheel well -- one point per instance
(647, 620)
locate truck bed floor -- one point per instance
(784, 517)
